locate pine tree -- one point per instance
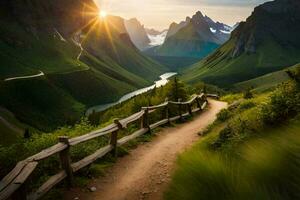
(177, 90)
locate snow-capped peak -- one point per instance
(213, 30)
(157, 40)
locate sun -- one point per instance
(102, 14)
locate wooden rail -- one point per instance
(13, 185)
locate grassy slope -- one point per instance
(40, 103)
(10, 135)
(175, 63)
(266, 168)
(251, 161)
(70, 85)
(220, 69)
(265, 82)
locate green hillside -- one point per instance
(175, 63)
(222, 70)
(266, 82)
(44, 36)
(267, 42)
(11, 130)
(249, 152)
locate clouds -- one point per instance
(160, 13)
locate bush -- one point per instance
(223, 115)
(284, 103)
(245, 105)
(248, 94)
(230, 98)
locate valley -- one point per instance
(164, 80)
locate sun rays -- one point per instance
(102, 14)
(97, 26)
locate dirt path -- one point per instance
(25, 77)
(145, 172)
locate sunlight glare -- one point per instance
(102, 14)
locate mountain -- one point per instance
(268, 41)
(236, 25)
(153, 32)
(221, 30)
(174, 27)
(190, 40)
(157, 39)
(69, 59)
(137, 33)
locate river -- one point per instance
(164, 79)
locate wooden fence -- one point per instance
(13, 185)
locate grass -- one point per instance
(8, 136)
(247, 153)
(40, 104)
(266, 82)
(267, 168)
(175, 63)
(230, 98)
(221, 69)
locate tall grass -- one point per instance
(252, 151)
(266, 168)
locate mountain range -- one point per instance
(266, 42)
(142, 37)
(58, 58)
(137, 33)
(190, 40)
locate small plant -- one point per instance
(284, 104)
(246, 105)
(97, 170)
(248, 94)
(223, 115)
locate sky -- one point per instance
(159, 14)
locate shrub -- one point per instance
(284, 103)
(245, 105)
(223, 115)
(248, 94)
(230, 98)
(224, 135)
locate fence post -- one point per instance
(145, 120)
(180, 108)
(190, 109)
(167, 110)
(114, 143)
(198, 103)
(205, 98)
(65, 160)
(114, 138)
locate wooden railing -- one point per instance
(14, 184)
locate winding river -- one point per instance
(164, 79)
